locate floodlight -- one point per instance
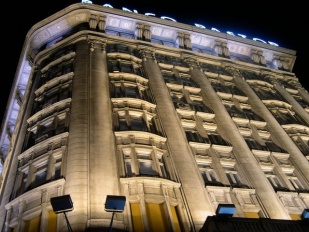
(225, 210)
(62, 204)
(114, 204)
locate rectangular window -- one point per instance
(52, 221)
(131, 122)
(217, 139)
(136, 217)
(233, 176)
(251, 215)
(208, 174)
(32, 225)
(145, 164)
(40, 177)
(194, 136)
(145, 161)
(175, 220)
(273, 179)
(157, 217)
(23, 185)
(162, 167)
(169, 77)
(128, 167)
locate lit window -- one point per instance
(143, 161)
(273, 179)
(208, 173)
(232, 175)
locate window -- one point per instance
(39, 167)
(215, 138)
(284, 115)
(46, 128)
(127, 91)
(129, 121)
(274, 180)
(271, 146)
(166, 59)
(208, 174)
(158, 214)
(302, 142)
(202, 49)
(251, 115)
(169, 77)
(136, 120)
(247, 199)
(43, 126)
(233, 176)
(297, 185)
(124, 87)
(233, 111)
(157, 218)
(179, 100)
(293, 203)
(53, 95)
(163, 41)
(266, 92)
(62, 52)
(125, 66)
(39, 174)
(214, 69)
(120, 32)
(143, 161)
(32, 224)
(193, 136)
(56, 71)
(252, 143)
(201, 107)
(186, 80)
(251, 75)
(120, 48)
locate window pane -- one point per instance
(145, 168)
(128, 168)
(136, 217)
(57, 171)
(40, 178)
(175, 219)
(157, 217)
(138, 124)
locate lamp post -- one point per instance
(63, 204)
(114, 204)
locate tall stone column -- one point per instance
(91, 169)
(296, 106)
(76, 173)
(185, 165)
(276, 130)
(243, 154)
(103, 174)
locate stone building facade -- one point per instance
(175, 118)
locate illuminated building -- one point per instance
(178, 119)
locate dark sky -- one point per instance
(282, 22)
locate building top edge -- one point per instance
(155, 20)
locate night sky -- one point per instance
(282, 22)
